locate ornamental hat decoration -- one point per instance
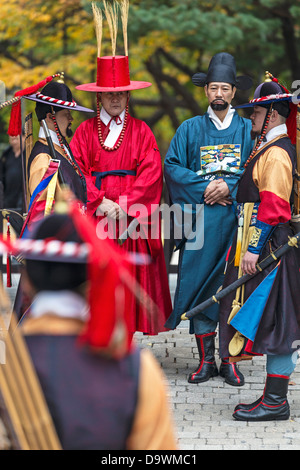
(222, 68)
(270, 94)
(60, 96)
(113, 73)
(57, 95)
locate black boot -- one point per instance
(248, 406)
(231, 373)
(207, 366)
(272, 407)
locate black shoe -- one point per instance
(207, 366)
(272, 407)
(231, 373)
(248, 406)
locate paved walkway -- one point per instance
(203, 412)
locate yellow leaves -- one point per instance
(151, 42)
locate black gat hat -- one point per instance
(222, 68)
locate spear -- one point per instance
(275, 255)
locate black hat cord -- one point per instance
(262, 135)
(62, 142)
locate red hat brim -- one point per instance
(134, 85)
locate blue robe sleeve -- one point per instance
(186, 188)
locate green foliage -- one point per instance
(168, 41)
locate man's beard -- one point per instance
(218, 106)
(69, 132)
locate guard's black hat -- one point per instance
(271, 92)
(56, 96)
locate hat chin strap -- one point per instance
(62, 140)
(262, 135)
(264, 127)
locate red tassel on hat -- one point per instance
(8, 258)
(291, 122)
(107, 329)
(15, 123)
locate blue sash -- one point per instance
(246, 321)
(40, 187)
(100, 175)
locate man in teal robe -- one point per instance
(202, 168)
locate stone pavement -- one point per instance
(203, 412)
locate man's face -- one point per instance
(257, 118)
(114, 102)
(15, 143)
(219, 95)
(64, 121)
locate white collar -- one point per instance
(273, 133)
(217, 122)
(53, 136)
(114, 128)
(276, 131)
(106, 118)
(64, 303)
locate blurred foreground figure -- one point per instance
(103, 392)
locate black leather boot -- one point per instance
(272, 407)
(231, 373)
(207, 366)
(248, 406)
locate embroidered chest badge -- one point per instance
(220, 159)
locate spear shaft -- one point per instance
(275, 255)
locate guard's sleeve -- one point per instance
(153, 427)
(273, 176)
(38, 169)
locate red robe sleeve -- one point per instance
(273, 177)
(84, 147)
(142, 199)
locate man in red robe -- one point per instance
(120, 160)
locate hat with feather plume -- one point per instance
(113, 73)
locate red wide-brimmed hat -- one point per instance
(112, 76)
(112, 71)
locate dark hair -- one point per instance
(55, 90)
(56, 275)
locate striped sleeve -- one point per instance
(272, 174)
